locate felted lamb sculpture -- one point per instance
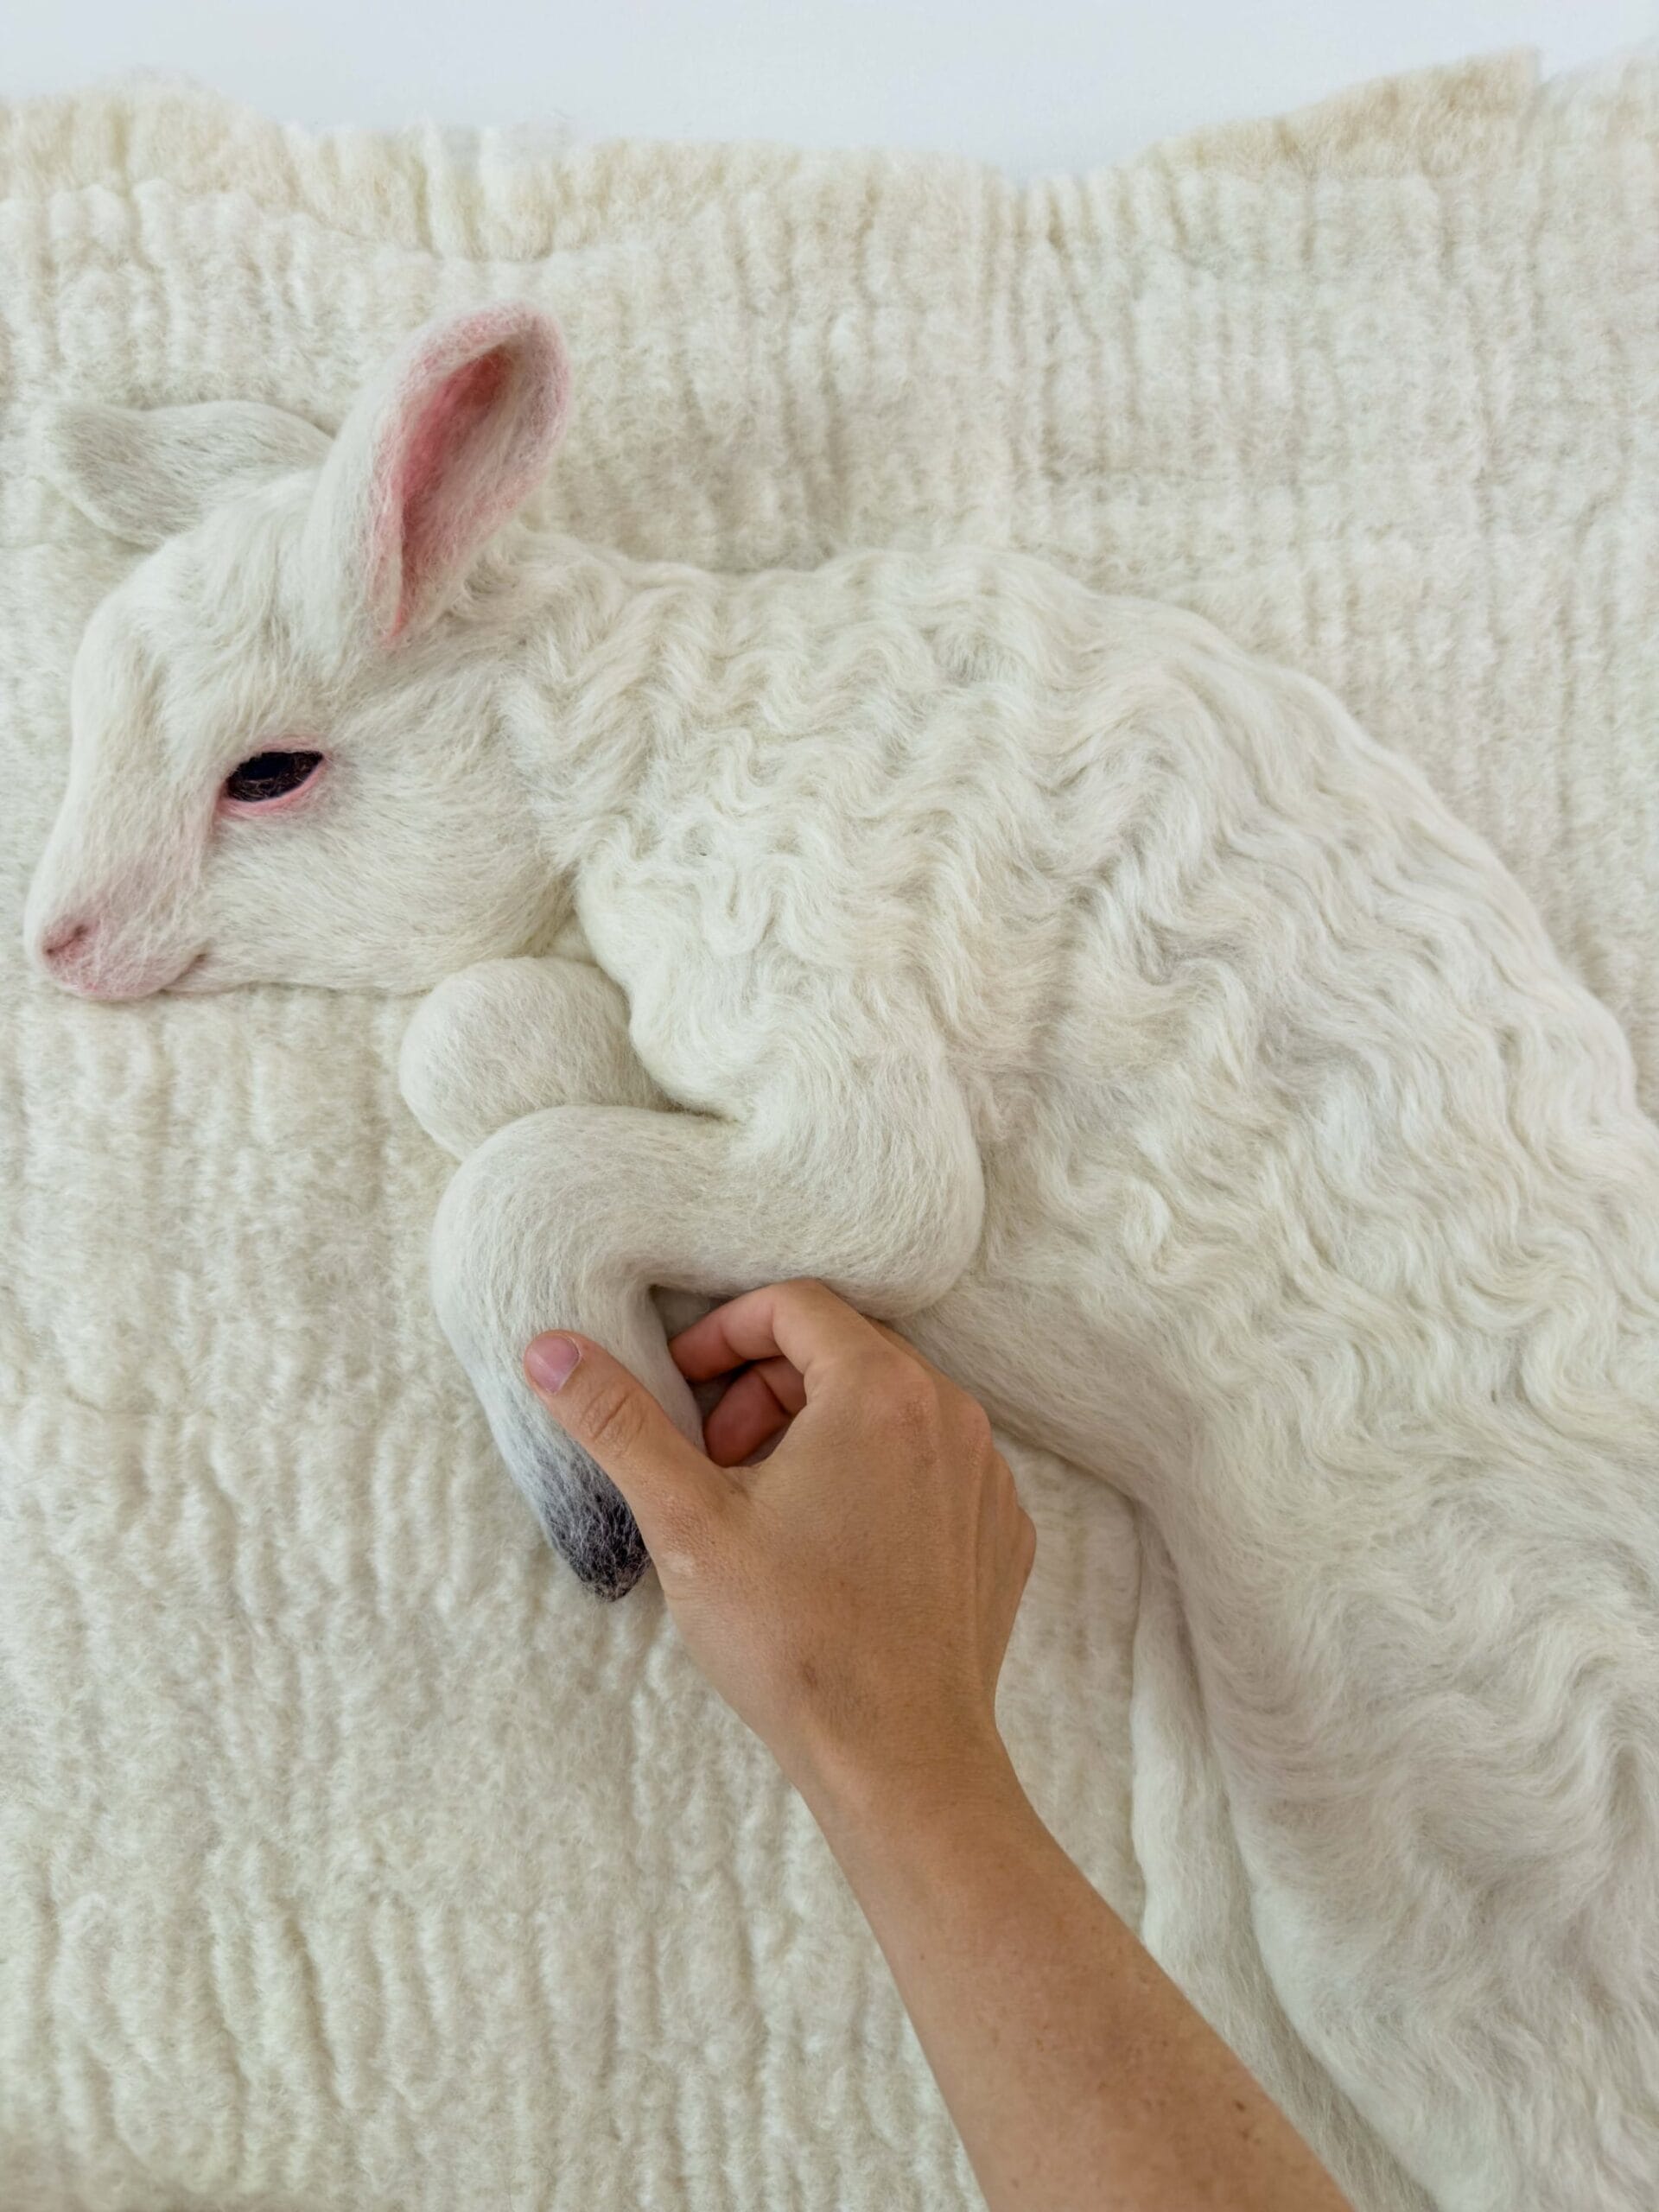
(1056, 980)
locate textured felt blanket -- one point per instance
(349, 1856)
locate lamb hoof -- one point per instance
(585, 1518)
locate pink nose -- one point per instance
(63, 940)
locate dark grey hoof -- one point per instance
(584, 1516)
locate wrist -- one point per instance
(861, 1801)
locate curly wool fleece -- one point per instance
(1304, 1929)
(1049, 975)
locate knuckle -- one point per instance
(894, 1342)
(611, 1419)
(906, 1392)
(975, 1422)
(680, 1542)
(1026, 1542)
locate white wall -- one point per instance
(1031, 83)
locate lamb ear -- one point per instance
(143, 473)
(453, 435)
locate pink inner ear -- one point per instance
(439, 523)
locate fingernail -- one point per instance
(549, 1361)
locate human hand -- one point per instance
(851, 1596)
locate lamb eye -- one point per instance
(270, 775)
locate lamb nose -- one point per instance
(66, 937)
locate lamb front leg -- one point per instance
(568, 1217)
(507, 1037)
(503, 1038)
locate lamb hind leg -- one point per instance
(568, 1217)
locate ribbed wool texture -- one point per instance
(349, 1856)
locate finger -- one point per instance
(890, 1336)
(762, 1401)
(802, 1322)
(1025, 1546)
(613, 1416)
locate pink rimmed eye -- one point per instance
(265, 777)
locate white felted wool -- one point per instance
(1384, 203)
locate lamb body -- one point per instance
(1056, 980)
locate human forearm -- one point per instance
(852, 1599)
(1075, 2072)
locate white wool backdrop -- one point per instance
(350, 1855)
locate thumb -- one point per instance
(612, 1415)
